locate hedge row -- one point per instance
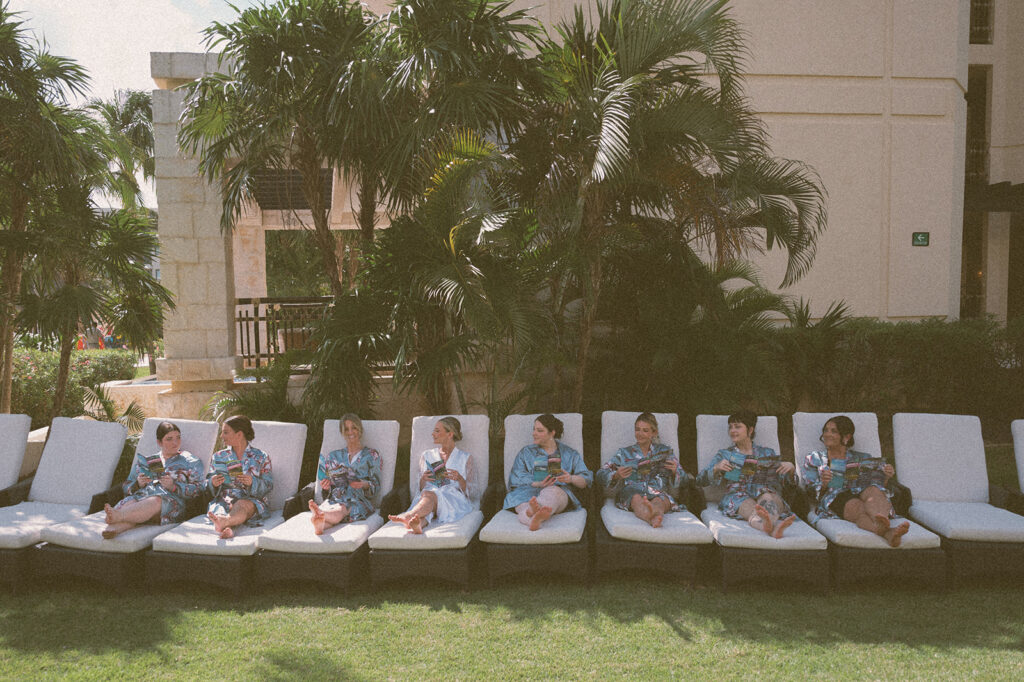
(35, 376)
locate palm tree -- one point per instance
(43, 142)
(267, 109)
(630, 131)
(127, 119)
(90, 267)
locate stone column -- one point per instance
(195, 254)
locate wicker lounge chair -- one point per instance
(193, 552)
(942, 458)
(444, 551)
(746, 554)
(77, 548)
(857, 555)
(14, 430)
(78, 461)
(562, 545)
(624, 544)
(293, 552)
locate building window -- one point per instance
(281, 190)
(982, 14)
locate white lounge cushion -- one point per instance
(197, 536)
(807, 428)
(713, 435)
(379, 435)
(679, 528)
(78, 461)
(1017, 428)
(504, 528)
(519, 434)
(296, 536)
(730, 532)
(475, 442)
(617, 431)
(85, 533)
(941, 457)
(21, 525)
(976, 521)
(847, 534)
(452, 535)
(14, 430)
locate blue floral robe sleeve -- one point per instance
(365, 466)
(810, 473)
(255, 463)
(187, 472)
(659, 483)
(520, 479)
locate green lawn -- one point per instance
(641, 630)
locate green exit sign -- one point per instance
(920, 238)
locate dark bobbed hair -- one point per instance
(243, 424)
(163, 428)
(845, 427)
(551, 423)
(745, 417)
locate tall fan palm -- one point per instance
(632, 130)
(43, 141)
(127, 119)
(88, 268)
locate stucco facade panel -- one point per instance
(849, 154)
(780, 94)
(814, 37)
(921, 202)
(931, 98)
(926, 36)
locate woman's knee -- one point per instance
(853, 509)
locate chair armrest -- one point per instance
(1004, 498)
(16, 493)
(492, 499)
(795, 497)
(901, 498)
(395, 502)
(299, 502)
(111, 496)
(692, 497)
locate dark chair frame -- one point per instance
(15, 564)
(683, 562)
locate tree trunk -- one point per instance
(67, 340)
(309, 164)
(11, 288)
(151, 354)
(367, 214)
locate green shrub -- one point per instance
(35, 375)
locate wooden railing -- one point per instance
(269, 327)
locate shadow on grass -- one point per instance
(85, 619)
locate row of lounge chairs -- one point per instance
(50, 525)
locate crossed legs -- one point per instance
(414, 518)
(763, 514)
(130, 515)
(651, 511)
(325, 519)
(870, 511)
(241, 511)
(548, 502)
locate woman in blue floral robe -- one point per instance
(851, 485)
(753, 478)
(240, 479)
(158, 487)
(645, 476)
(349, 482)
(535, 493)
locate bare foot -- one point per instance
(766, 518)
(402, 519)
(114, 529)
(318, 518)
(534, 506)
(895, 535)
(218, 521)
(227, 533)
(108, 513)
(656, 520)
(783, 525)
(542, 515)
(416, 524)
(881, 524)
